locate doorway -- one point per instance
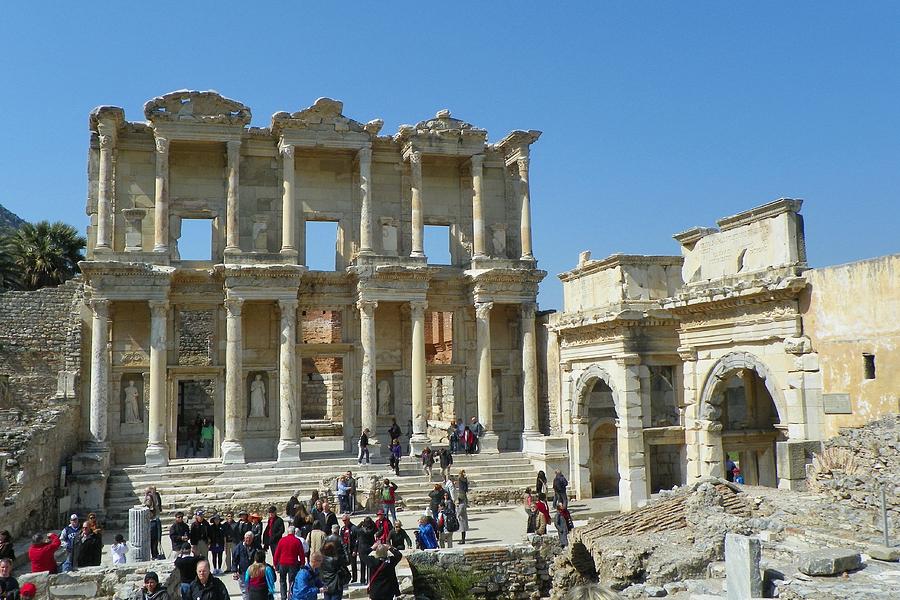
(604, 460)
(196, 403)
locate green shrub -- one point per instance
(438, 583)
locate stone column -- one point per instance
(418, 224)
(235, 417)
(529, 372)
(633, 490)
(288, 210)
(157, 453)
(525, 222)
(161, 199)
(477, 215)
(367, 380)
(419, 409)
(99, 372)
(485, 389)
(232, 224)
(107, 132)
(139, 533)
(289, 408)
(365, 191)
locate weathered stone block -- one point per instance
(831, 561)
(742, 556)
(884, 553)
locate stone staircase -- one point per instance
(188, 484)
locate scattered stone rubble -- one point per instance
(122, 582)
(674, 547)
(856, 464)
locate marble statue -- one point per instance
(385, 405)
(132, 405)
(258, 397)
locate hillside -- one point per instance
(9, 220)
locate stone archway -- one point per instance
(595, 418)
(739, 407)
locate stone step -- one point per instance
(126, 484)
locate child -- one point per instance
(738, 476)
(119, 550)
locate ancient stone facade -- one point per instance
(254, 340)
(669, 363)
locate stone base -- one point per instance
(156, 456)
(418, 443)
(233, 453)
(90, 470)
(374, 449)
(548, 452)
(288, 452)
(489, 443)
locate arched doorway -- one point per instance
(601, 414)
(739, 395)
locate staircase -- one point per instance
(188, 484)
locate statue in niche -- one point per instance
(384, 404)
(132, 405)
(495, 395)
(258, 397)
(260, 236)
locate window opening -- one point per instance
(322, 245)
(437, 244)
(196, 239)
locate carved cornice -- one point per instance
(443, 125)
(620, 260)
(325, 113)
(741, 292)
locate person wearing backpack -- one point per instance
(389, 499)
(447, 524)
(382, 528)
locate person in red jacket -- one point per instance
(41, 552)
(288, 559)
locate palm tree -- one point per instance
(46, 254)
(9, 272)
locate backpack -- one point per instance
(451, 522)
(386, 493)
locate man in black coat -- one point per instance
(349, 543)
(274, 530)
(205, 586)
(179, 532)
(383, 584)
(87, 548)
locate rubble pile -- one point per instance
(671, 539)
(856, 464)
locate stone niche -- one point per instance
(498, 240)
(385, 394)
(134, 219)
(259, 396)
(389, 244)
(131, 399)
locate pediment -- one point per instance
(324, 114)
(197, 107)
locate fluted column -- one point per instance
(289, 407)
(99, 372)
(419, 409)
(525, 222)
(288, 209)
(233, 442)
(529, 372)
(367, 383)
(418, 223)
(365, 192)
(157, 453)
(232, 208)
(107, 133)
(485, 388)
(477, 215)
(161, 198)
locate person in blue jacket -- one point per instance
(308, 584)
(427, 534)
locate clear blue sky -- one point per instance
(656, 116)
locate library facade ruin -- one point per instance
(257, 343)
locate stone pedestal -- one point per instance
(139, 534)
(742, 556)
(489, 443)
(90, 470)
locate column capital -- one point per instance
(100, 307)
(286, 150)
(162, 145)
(233, 145)
(528, 309)
(477, 161)
(367, 307)
(288, 303)
(483, 309)
(522, 163)
(364, 154)
(415, 158)
(417, 308)
(233, 305)
(158, 308)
